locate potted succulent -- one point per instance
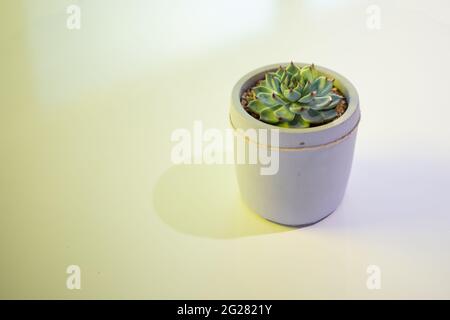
(316, 112)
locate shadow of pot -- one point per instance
(203, 200)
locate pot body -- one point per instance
(314, 164)
(308, 186)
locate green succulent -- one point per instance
(295, 97)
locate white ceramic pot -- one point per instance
(314, 163)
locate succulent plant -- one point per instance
(295, 97)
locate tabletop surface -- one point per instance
(86, 177)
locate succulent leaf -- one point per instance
(297, 108)
(335, 100)
(314, 71)
(256, 106)
(307, 98)
(311, 116)
(292, 69)
(292, 95)
(306, 73)
(283, 77)
(280, 99)
(316, 117)
(306, 88)
(284, 114)
(329, 114)
(268, 99)
(273, 81)
(280, 71)
(316, 83)
(260, 89)
(268, 115)
(318, 103)
(298, 89)
(326, 88)
(298, 122)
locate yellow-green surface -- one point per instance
(85, 172)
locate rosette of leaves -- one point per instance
(295, 97)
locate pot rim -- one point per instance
(342, 83)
